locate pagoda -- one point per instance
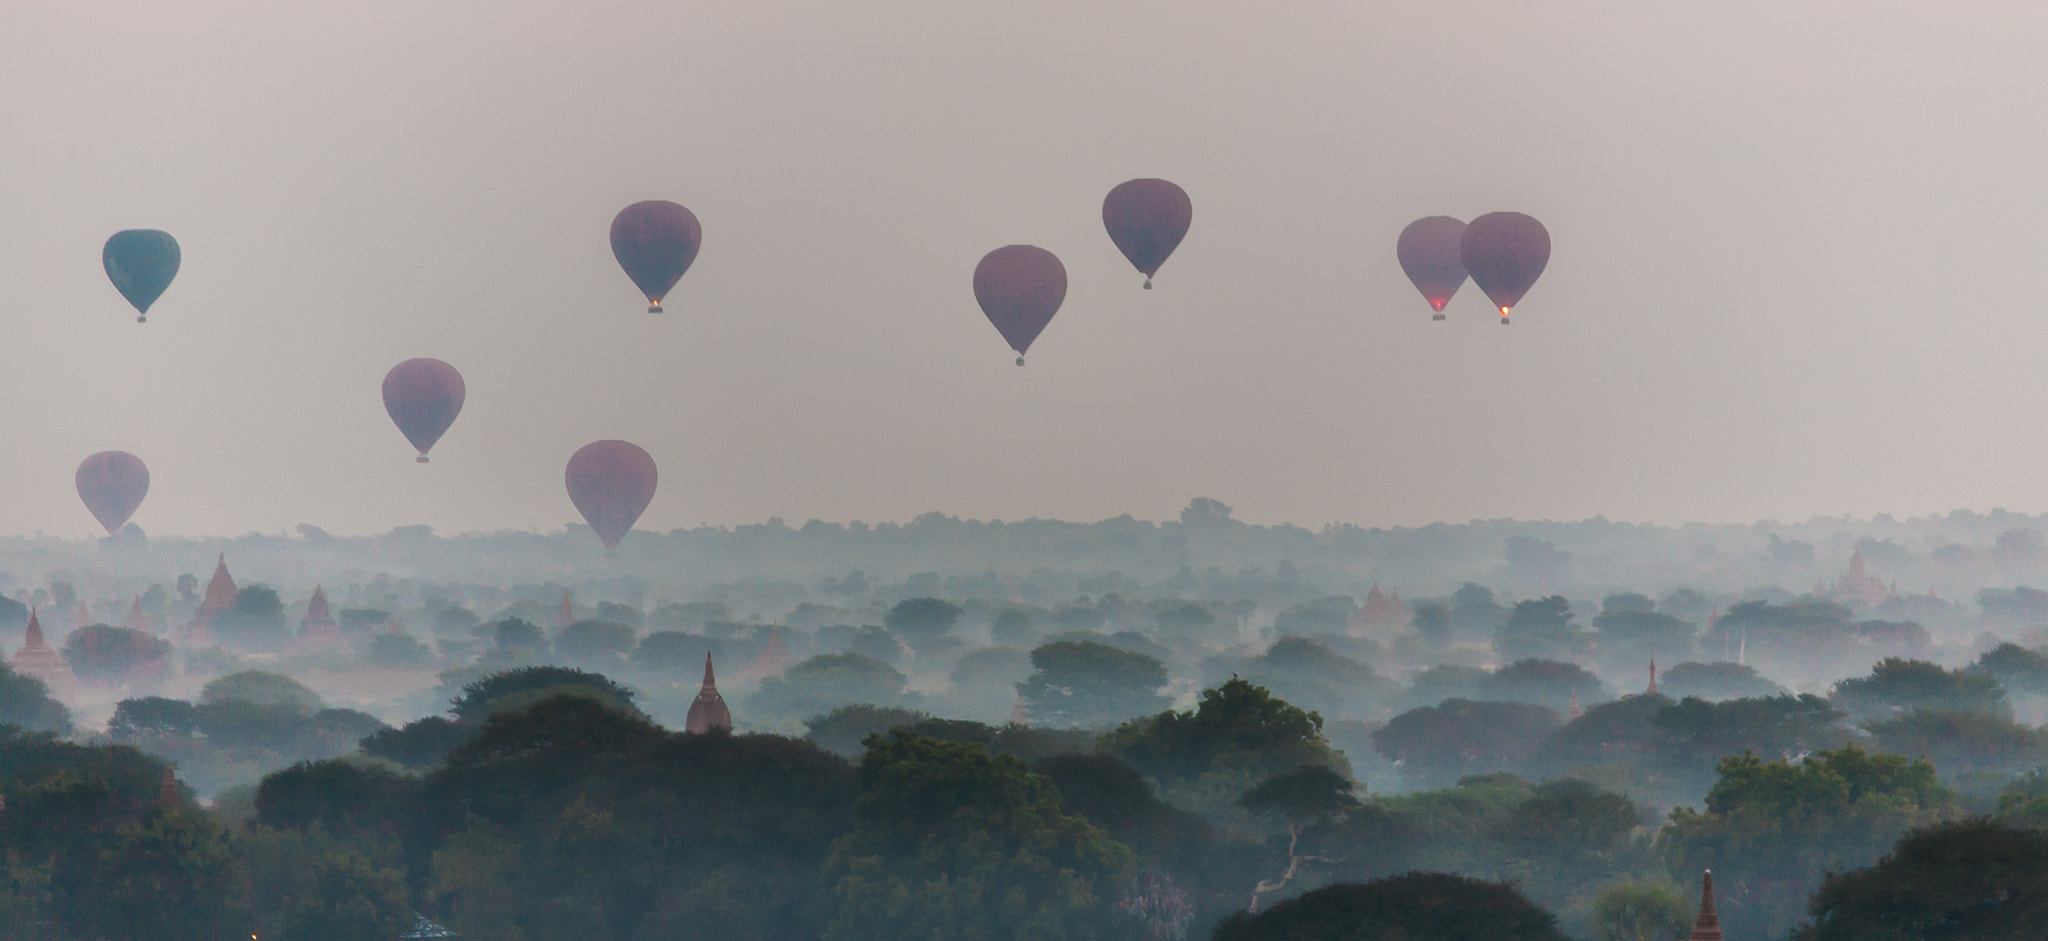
(1707, 927)
(220, 596)
(167, 791)
(318, 627)
(774, 658)
(36, 658)
(1381, 610)
(708, 711)
(566, 614)
(1652, 691)
(138, 621)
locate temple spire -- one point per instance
(1652, 691)
(1573, 711)
(708, 711)
(167, 790)
(1707, 927)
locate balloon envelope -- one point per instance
(1020, 287)
(112, 484)
(655, 241)
(423, 396)
(1147, 219)
(1430, 253)
(1505, 253)
(611, 482)
(141, 263)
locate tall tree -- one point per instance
(1084, 684)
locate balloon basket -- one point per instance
(142, 319)
(422, 459)
(1436, 316)
(654, 308)
(609, 554)
(1148, 284)
(1020, 360)
(1503, 320)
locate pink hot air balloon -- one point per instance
(1147, 219)
(611, 482)
(112, 484)
(1505, 252)
(1020, 287)
(423, 397)
(655, 241)
(1430, 254)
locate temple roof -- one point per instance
(708, 711)
(137, 621)
(220, 592)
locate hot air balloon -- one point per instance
(1505, 252)
(1147, 219)
(1430, 254)
(141, 263)
(423, 396)
(1020, 287)
(611, 482)
(112, 484)
(655, 242)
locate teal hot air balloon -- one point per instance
(141, 263)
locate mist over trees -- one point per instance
(1192, 728)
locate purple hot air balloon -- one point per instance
(1505, 252)
(1020, 287)
(655, 241)
(611, 482)
(423, 397)
(1147, 219)
(112, 484)
(1430, 254)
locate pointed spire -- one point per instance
(1573, 711)
(1018, 716)
(566, 614)
(708, 711)
(1652, 691)
(137, 621)
(35, 632)
(167, 791)
(1707, 927)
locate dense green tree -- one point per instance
(255, 621)
(922, 622)
(943, 830)
(1238, 734)
(844, 730)
(1012, 628)
(1316, 677)
(419, 744)
(517, 634)
(1896, 685)
(985, 680)
(1324, 616)
(1772, 727)
(1625, 641)
(1624, 730)
(1640, 910)
(1971, 879)
(174, 878)
(26, 702)
(1188, 622)
(1474, 612)
(596, 644)
(103, 654)
(153, 716)
(1715, 681)
(823, 683)
(333, 795)
(1083, 684)
(1541, 628)
(262, 688)
(398, 652)
(1960, 743)
(1413, 906)
(1771, 829)
(1432, 622)
(347, 898)
(2018, 669)
(1305, 797)
(1436, 745)
(1549, 683)
(515, 690)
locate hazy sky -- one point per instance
(1797, 248)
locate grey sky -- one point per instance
(1795, 251)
